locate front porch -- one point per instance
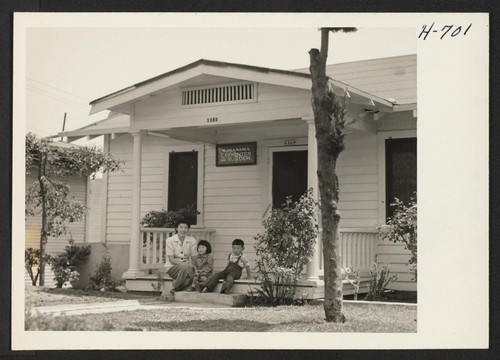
(357, 249)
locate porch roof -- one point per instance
(180, 75)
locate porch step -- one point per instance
(234, 300)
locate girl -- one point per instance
(203, 265)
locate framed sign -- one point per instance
(236, 154)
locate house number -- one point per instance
(290, 141)
(212, 120)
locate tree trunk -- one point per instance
(330, 128)
(43, 230)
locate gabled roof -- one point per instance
(221, 69)
(392, 78)
(113, 124)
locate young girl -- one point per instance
(203, 265)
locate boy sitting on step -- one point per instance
(237, 260)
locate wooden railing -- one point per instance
(153, 244)
(357, 248)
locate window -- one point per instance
(401, 171)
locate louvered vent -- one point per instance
(234, 93)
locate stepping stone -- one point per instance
(233, 300)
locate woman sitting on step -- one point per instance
(180, 250)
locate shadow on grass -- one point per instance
(205, 325)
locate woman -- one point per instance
(180, 249)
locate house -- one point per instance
(236, 139)
(82, 189)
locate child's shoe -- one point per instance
(205, 289)
(223, 288)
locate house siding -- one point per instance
(76, 230)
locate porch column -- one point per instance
(313, 268)
(135, 230)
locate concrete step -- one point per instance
(233, 300)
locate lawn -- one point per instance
(371, 318)
(361, 317)
(39, 296)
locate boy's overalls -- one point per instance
(229, 274)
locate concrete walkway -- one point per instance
(116, 306)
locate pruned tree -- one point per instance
(331, 128)
(50, 197)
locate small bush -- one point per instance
(64, 264)
(285, 248)
(402, 227)
(102, 279)
(379, 279)
(170, 218)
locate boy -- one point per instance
(237, 260)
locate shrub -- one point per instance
(285, 248)
(379, 279)
(402, 227)
(64, 264)
(170, 218)
(102, 279)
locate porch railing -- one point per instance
(357, 247)
(153, 244)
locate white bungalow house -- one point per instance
(180, 131)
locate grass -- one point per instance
(371, 318)
(361, 317)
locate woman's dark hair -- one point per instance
(238, 242)
(183, 221)
(206, 244)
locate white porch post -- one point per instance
(313, 268)
(135, 230)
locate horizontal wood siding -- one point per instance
(119, 192)
(232, 204)
(358, 178)
(271, 99)
(396, 256)
(78, 190)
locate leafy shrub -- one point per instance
(402, 227)
(285, 248)
(64, 264)
(379, 279)
(170, 218)
(37, 321)
(102, 279)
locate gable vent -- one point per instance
(222, 94)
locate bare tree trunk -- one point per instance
(43, 230)
(330, 131)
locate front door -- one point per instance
(289, 174)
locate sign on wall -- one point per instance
(236, 154)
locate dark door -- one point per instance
(401, 171)
(183, 181)
(289, 176)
